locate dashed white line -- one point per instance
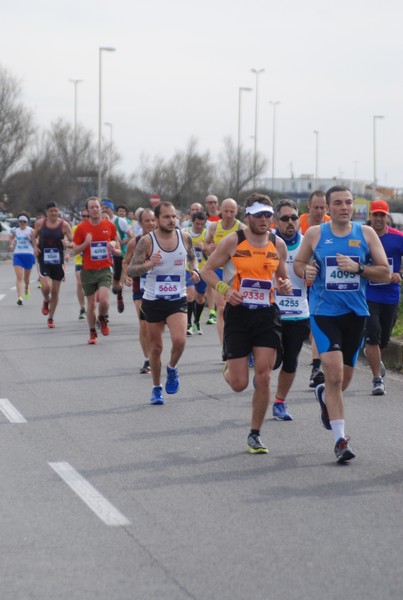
(11, 412)
(103, 509)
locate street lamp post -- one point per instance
(257, 73)
(273, 159)
(101, 49)
(374, 123)
(238, 166)
(76, 82)
(316, 133)
(110, 151)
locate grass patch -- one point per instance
(398, 328)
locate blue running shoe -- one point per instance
(156, 395)
(251, 360)
(172, 382)
(280, 412)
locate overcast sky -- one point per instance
(179, 64)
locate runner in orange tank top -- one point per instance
(251, 319)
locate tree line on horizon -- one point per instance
(61, 164)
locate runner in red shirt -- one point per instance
(97, 240)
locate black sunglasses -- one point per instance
(85, 216)
(287, 218)
(264, 213)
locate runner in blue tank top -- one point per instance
(334, 256)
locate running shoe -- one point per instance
(39, 286)
(317, 377)
(51, 323)
(103, 324)
(93, 338)
(342, 450)
(189, 330)
(212, 318)
(378, 386)
(197, 330)
(324, 417)
(81, 316)
(172, 382)
(251, 360)
(156, 395)
(255, 445)
(27, 292)
(146, 368)
(19, 301)
(45, 307)
(121, 305)
(280, 412)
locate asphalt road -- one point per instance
(106, 497)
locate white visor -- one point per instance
(23, 218)
(257, 207)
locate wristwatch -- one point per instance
(360, 268)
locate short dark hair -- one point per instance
(281, 203)
(256, 197)
(90, 199)
(121, 206)
(199, 215)
(336, 188)
(51, 204)
(316, 193)
(157, 210)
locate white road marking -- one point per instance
(2, 296)
(11, 412)
(92, 498)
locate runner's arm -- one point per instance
(192, 261)
(140, 262)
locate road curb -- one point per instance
(392, 355)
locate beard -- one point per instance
(258, 230)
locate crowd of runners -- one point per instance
(266, 277)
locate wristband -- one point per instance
(222, 287)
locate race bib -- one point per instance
(99, 250)
(51, 256)
(290, 305)
(255, 293)
(337, 280)
(168, 287)
(199, 254)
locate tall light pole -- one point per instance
(273, 159)
(110, 150)
(257, 73)
(101, 49)
(238, 166)
(316, 133)
(76, 82)
(374, 120)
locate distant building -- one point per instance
(299, 188)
